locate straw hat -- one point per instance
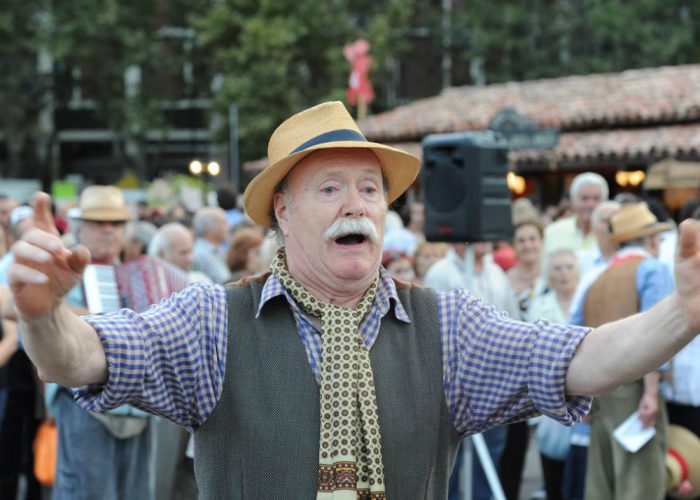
(103, 204)
(635, 220)
(682, 462)
(326, 126)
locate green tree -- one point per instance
(22, 87)
(276, 57)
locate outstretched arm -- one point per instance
(64, 348)
(628, 349)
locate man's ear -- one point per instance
(280, 204)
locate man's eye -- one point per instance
(328, 190)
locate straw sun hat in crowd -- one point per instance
(326, 126)
(103, 204)
(633, 221)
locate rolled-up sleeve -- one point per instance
(499, 370)
(169, 360)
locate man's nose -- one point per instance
(354, 204)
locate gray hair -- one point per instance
(204, 220)
(589, 179)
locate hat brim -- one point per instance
(687, 445)
(399, 168)
(656, 228)
(104, 215)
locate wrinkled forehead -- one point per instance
(340, 160)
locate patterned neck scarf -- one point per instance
(350, 452)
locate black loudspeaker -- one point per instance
(466, 191)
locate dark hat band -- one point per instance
(332, 136)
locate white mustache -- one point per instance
(345, 226)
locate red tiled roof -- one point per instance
(641, 97)
(596, 147)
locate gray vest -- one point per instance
(261, 441)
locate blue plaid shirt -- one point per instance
(170, 359)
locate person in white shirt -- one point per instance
(587, 191)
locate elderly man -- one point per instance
(174, 244)
(105, 455)
(634, 281)
(587, 190)
(327, 378)
(210, 229)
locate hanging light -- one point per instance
(516, 183)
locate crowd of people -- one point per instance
(597, 262)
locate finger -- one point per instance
(687, 241)
(78, 259)
(43, 240)
(43, 219)
(19, 274)
(23, 251)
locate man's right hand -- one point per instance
(43, 271)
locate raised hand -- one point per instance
(43, 270)
(687, 271)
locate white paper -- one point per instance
(631, 433)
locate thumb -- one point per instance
(43, 219)
(687, 241)
(78, 259)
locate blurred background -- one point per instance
(124, 92)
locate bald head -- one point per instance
(173, 243)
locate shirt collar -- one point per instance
(386, 293)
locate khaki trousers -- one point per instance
(612, 472)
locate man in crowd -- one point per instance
(597, 258)
(586, 191)
(327, 375)
(174, 244)
(100, 455)
(210, 230)
(634, 281)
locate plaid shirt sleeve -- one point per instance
(169, 360)
(498, 370)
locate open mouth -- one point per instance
(351, 239)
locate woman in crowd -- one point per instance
(243, 257)
(552, 437)
(525, 277)
(425, 255)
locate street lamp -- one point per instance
(211, 168)
(196, 167)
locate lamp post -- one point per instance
(198, 168)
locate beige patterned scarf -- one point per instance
(350, 452)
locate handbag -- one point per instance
(45, 451)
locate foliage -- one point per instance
(274, 57)
(279, 56)
(22, 88)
